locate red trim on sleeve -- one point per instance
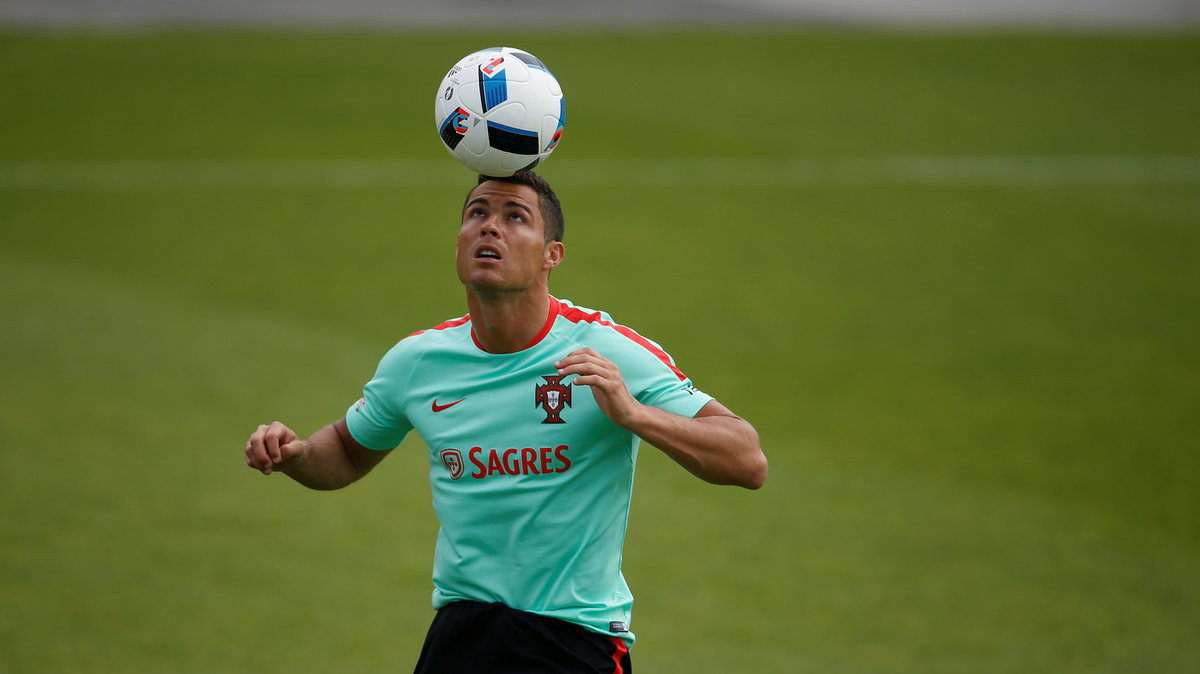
(576, 315)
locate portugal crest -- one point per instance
(553, 396)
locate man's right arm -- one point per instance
(329, 459)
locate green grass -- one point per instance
(978, 398)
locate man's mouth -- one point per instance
(487, 254)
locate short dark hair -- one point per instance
(552, 214)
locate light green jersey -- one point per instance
(531, 481)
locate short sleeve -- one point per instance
(678, 397)
(655, 380)
(377, 420)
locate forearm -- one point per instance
(717, 448)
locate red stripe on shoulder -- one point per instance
(444, 326)
(576, 315)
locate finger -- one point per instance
(256, 450)
(271, 444)
(591, 373)
(258, 464)
(569, 361)
(591, 380)
(277, 436)
(595, 372)
(586, 354)
(588, 370)
(585, 358)
(572, 365)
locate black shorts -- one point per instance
(469, 637)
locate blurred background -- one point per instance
(942, 255)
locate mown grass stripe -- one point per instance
(934, 170)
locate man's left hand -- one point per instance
(607, 384)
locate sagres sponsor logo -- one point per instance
(511, 461)
(452, 459)
(553, 396)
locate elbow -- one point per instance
(756, 464)
(749, 474)
(755, 475)
(752, 471)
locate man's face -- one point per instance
(501, 246)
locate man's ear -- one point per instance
(555, 251)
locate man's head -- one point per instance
(548, 203)
(511, 235)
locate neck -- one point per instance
(507, 322)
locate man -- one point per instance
(532, 409)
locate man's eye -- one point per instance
(518, 217)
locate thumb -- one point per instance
(291, 452)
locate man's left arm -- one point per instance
(716, 445)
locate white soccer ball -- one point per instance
(500, 110)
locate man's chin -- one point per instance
(487, 288)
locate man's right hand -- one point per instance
(330, 458)
(273, 447)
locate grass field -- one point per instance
(952, 279)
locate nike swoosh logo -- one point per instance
(440, 408)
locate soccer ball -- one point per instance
(500, 110)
